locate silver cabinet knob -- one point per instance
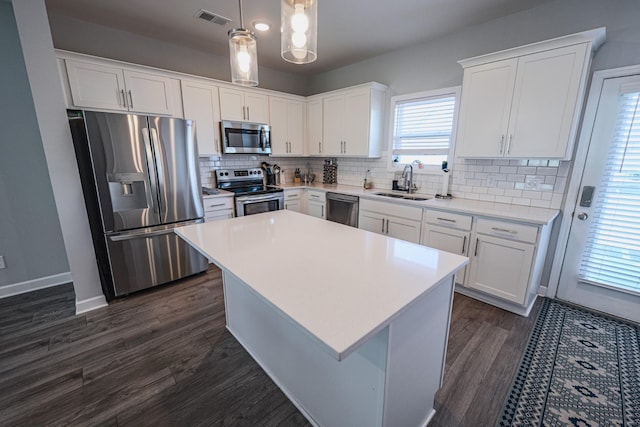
(582, 216)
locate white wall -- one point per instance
(39, 57)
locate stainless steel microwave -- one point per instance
(245, 137)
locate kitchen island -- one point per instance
(351, 325)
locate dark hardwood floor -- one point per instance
(164, 358)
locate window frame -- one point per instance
(454, 91)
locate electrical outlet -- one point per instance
(2, 263)
(491, 181)
(533, 183)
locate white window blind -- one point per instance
(612, 252)
(423, 126)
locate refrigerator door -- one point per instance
(122, 159)
(176, 156)
(149, 257)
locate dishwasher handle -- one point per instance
(342, 197)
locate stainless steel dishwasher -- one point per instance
(342, 208)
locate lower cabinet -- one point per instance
(401, 222)
(316, 203)
(293, 200)
(217, 208)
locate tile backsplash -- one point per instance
(539, 183)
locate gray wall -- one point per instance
(434, 65)
(92, 39)
(30, 234)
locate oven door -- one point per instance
(250, 205)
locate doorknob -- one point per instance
(582, 216)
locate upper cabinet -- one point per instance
(200, 103)
(97, 86)
(525, 102)
(241, 105)
(287, 126)
(314, 126)
(352, 121)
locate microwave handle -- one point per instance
(264, 139)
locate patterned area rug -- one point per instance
(579, 369)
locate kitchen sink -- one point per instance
(402, 196)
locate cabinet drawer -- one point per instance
(217, 204)
(507, 230)
(292, 194)
(448, 219)
(392, 209)
(316, 196)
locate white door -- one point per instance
(405, 229)
(278, 120)
(333, 125)
(148, 93)
(96, 86)
(447, 239)
(257, 107)
(200, 103)
(232, 104)
(314, 127)
(601, 267)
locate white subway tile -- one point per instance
(508, 169)
(541, 203)
(503, 199)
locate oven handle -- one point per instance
(257, 198)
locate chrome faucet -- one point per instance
(408, 178)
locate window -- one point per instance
(423, 127)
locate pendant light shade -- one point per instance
(299, 32)
(243, 55)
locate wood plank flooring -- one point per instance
(164, 358)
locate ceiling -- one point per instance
(348, 30)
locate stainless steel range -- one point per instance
(252, 195)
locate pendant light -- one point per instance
(243, 55)
(299, 32)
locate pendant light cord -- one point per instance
(240, 7)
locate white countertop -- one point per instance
(528, 214)
(339, 283)
(221, 193)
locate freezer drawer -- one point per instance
(143, 259)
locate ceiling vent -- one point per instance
(212, 17)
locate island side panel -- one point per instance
(416, 358)
(327, 391)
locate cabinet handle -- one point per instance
(446, 219)
(216, 205)
(124, 98)
(314, 195)
(501, 144)
(387, 226)
(504, 230)
(382, 225)
(248, 115)
(464, 244)
(130, 99)
(475, 253)
(345, 152)
(322, 211)
(509, 144)
(244, 113)
(319, 147)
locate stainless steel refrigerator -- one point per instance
(140, 177)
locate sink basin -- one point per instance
(402, 196)
(397, 196)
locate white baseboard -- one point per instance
(90, 304)
(35, 284)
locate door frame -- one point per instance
(578, 164)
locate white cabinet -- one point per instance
(448, 232)
(352, 121)
(293, 200)
(314, 126)
(316, 203)
(217, 208)
(525, 102)
(390, 219)
(287, 126)
(200, 103)
(240, 105)
(104, 87)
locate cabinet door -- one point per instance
(257, 107)
(232, 104)
(485, 106)
(295, 127)
(148, 93)
(546, 92)
(447, 239)
(314, 127)
(218, 215)
(371, 221)
(356, 133)
(96, 86)
(404, 229)
(501, 267)
(200, 103)
(316, 209)
(333, 124)
(293, 205)
(279, 123)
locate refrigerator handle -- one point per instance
(154, 202)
